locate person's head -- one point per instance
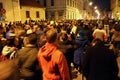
(74, 22)
(11, 36)
(42, 40)
(81, 33)
(52, 23)
(117, 27)
(11, 39)
(51, 35)
(1, 30)
(97, 42)
(116, 47)
(12, 29)
(63, 36)
(27, 26)
(31, 39)
(100, 26)
(35, 28)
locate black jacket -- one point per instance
(100, 64)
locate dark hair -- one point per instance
(10, 42)
(116, 44)
(64, 36)
(32, 38)
(117, 27)
(98, 42)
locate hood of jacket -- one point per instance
(47, 50)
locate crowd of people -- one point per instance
(44, 50)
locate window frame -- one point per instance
(52, 2)
(37, 14)
(27, 14)
(1, 6)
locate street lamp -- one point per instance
(95, 7)
(97, 11)
(90, 3)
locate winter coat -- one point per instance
(100, 64)
(53, 63)
(67, 48)
(100, 34)
(116, 36)
(27, 62)
(9, 70)
(79, 52)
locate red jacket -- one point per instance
(53, 63)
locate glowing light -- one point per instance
(95, 7)
(90, 3)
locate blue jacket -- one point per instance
(78, 53)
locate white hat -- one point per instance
(29, 31)
(51, 22)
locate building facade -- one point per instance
(10, 10)
(115, 7)
(30, 9)
(63, 9)
(20, 10)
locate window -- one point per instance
(1, 6)
(37, 1)
(73, 2)
(60, 12)
(119, 3)
(68, 2)
(37, 14)
(27, 14)
(44, 2)
(52, 15)
(52, 2)
(46, 14)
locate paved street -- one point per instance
(76, 75)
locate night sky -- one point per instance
(102, 4)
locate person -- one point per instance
(82, 44)
(67, 48)
(116, 49)
(100, 63)
(100, 33)
(74, 27)
(115, 44)
(27, 59)
(9, 70)
(10, 49)
(2, 39)
(51, 60)
(116, 33)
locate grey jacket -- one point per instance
(27, 61)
